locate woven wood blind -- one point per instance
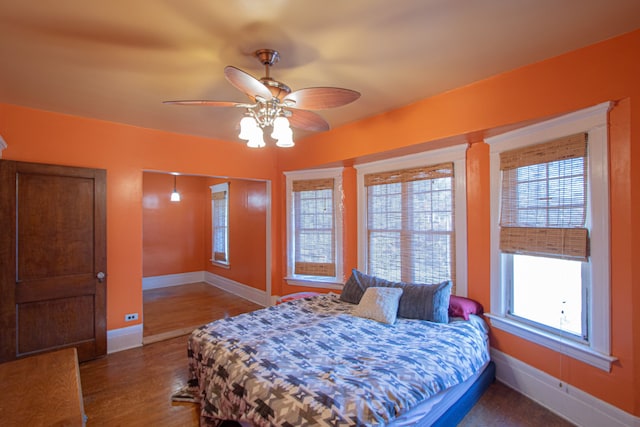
(312, 184)
(316, 269)
(544, 199)
(443, 170)
(220, 195)
(410, 224)
(314, 227)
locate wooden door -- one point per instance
(53, 259)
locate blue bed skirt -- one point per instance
(458, 410)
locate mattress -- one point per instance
(311, 362)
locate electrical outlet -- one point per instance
(131, 316)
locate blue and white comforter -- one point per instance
(309, 362)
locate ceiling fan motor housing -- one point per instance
(278, 90)
(268, 57)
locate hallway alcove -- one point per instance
(178, 272)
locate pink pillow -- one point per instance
(297, 295)
(463, 307)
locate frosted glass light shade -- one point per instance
(280, 127)
(286, 139)
(175, 196)
(257, 139)
(248, 128)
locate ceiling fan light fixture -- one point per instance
(248, 127)
(280, 127)
(286, 139)
(257, 139)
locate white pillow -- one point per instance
(380, 304)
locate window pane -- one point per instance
(220, 229)
(385, 207)
(313, 227)
(545, 195)
(219, 240)
(384, 255)
(220, 223)
(315, 247)
(432, 260)
(548, 291)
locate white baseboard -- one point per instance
(124, 338)
(559, 397)
(244, 291)
(154, 282)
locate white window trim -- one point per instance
(592, 120)
(316, 281)
(217, 188)
(455, 154)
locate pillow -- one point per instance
(379, 304)
(418, 301)
(426, 302)
(352, 291)
(463, 307)
(295, 296)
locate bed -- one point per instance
(317, 362)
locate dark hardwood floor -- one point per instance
(134, 387)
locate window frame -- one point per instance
(454, 154)
(219, 188)
(593, 121)
(327, 282)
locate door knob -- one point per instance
(100, 276)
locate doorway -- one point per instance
(177, 247)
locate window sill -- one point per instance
(570, 348)
(313, 282)
(220, 264)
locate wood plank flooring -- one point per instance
(177, 310)
(134, 387)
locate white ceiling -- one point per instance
(117, 60)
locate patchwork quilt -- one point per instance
(309, 362)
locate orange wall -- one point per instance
(602, 72)
(173, 233)
(247, 233)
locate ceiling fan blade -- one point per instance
(246, 83)
(321, 98)
(203, 102)
(307, 120)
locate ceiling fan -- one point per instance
(274, 104)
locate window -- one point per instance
(220, 223)
(550, 256)
(414, 212)
(544, 235)
(314, 219)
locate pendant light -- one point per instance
(175, 196)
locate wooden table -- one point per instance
(42, 390)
